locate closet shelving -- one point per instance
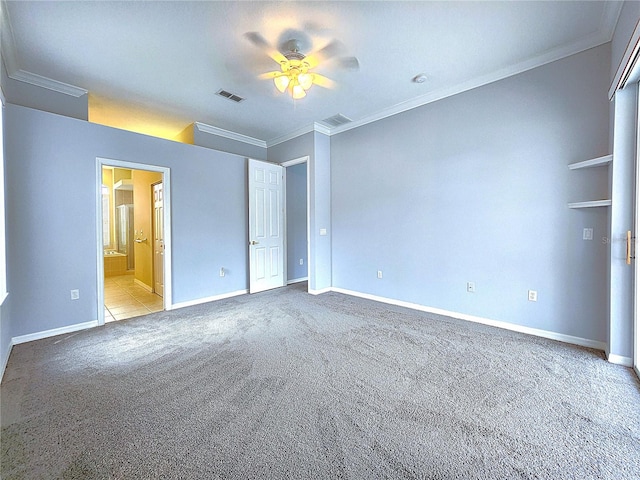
(594, 162)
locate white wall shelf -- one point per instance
(594, 162)
(590, 204)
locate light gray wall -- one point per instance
(297, 221)
(5, 324)
(51, 191)
(475, 188)
(317, 147)
(290, 150)
(27, 95)
(321, 245)
(228, 145)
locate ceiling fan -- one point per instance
(295, 75)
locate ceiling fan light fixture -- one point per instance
(281, 82)
(297, 92)
(305, 80)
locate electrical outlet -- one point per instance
(379, 273)
(301, 261)
(587, 233)
(471, 287)
(75, 294)
(533, 296)
(222, 272)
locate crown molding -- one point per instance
(10, 58)
(593, 41)
(315, 127)
(7, 41)
(318, 127)
(290, 136)
(610, 18)
(48, 83)
(203, 127)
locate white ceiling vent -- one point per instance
(229, 95)
(336, 120)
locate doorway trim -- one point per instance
(166, 179)
(291, 163)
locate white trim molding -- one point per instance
(584, 342)
(316, 127)
(214, 298)
(7, 41)
(297, 280)
(620, 360)
(627, 62)
(48, 83)
(323, 290)
(53, 332)
(5, 360)
(221, 132)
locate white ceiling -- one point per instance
(168, 59)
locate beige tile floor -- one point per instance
(123, 298)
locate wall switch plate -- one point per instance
(587, 233)
(379, 273)
(471, 287)
(222, 272)
(323, 231)
(533, 296)
(75, 294)
(301, 261)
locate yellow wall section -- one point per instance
(143, 201)
(107, 180)
(136, 118)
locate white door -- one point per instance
(266, 226)
(158, 239)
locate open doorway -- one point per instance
(133, 240)
(297, 220)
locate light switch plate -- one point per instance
(587, 233)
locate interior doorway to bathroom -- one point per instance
(134, 246)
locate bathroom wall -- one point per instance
(142, 199)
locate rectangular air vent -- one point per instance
(230, 96)
(336, 120)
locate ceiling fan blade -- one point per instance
(349, 63)
(330, 50)
(260, 42)
(270, 75)
(323, 81)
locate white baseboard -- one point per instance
(5, 360)
(321, 291)
(53, 332)
(620, 360)
(214, 298)
(584, 342)
(297, 280)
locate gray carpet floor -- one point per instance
(283, 384)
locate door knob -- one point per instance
(253, 242)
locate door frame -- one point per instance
(290, 163)
(166, 179)
(636, 236)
